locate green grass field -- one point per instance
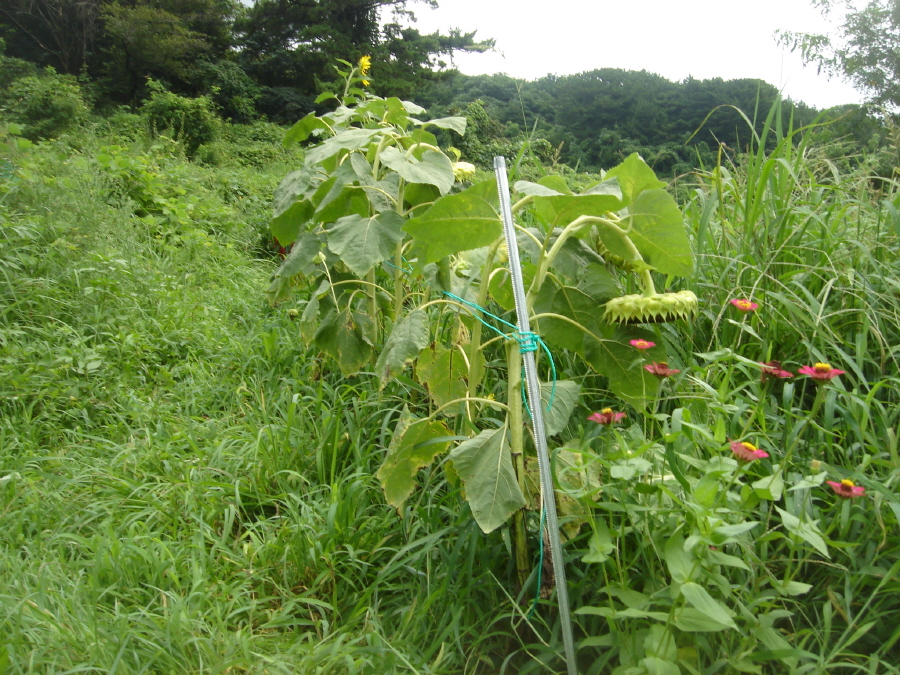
(186, 487)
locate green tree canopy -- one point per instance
(865, 51)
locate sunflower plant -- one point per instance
(400, 256)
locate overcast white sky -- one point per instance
(703, 38)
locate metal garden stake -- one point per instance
(537, 416)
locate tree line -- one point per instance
(272, 59)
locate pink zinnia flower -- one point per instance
(745, 305)
(847, 489)
(773, 369)
(661, 369)
(747, 452)
(821, 372)
(606, 416)
(642, 344)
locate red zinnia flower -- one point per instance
(606, 416)
(747, 452)
(642, 344)
(847, 489)
(661, 369)
(773, 369)
(821, 372)
(745, 305)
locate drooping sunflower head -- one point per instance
(656, 308)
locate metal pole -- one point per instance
(533, 387)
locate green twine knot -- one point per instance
(528, 342)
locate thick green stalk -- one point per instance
(399, 272)
(548, 257)
(372, 291)
(476, 358)
(517, 448)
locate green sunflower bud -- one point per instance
(656, 308)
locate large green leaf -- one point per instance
(454, 223)
(291, 208)
(484, 464)
(569, 302)
(634, 176)
(394, 112)
(286, 226)
(409, 337)
(617, 361)
(573, 259)
(300, 183)
(434, 168)
(346, 337)
(362, 243)
(558, 411)
(657, 229)
(302, 129)
(443, 371)
(560, 210)
(682, 566)
(309, 320)
(535, 189)
(598, 284)
(333, 199)
(382, 194)
(457, 124)
(350, 139)
(301, 259)
(415, 445)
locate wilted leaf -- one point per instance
(345, 336)
(409, 337)
(565, 397)
(443, 371)
(415, 445)
(484, 464)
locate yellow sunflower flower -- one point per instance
(365, 63)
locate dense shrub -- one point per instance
(46, 105)
(284, 105)
(13, 69)
(252, 145)
(231, 89)
(192, 121)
